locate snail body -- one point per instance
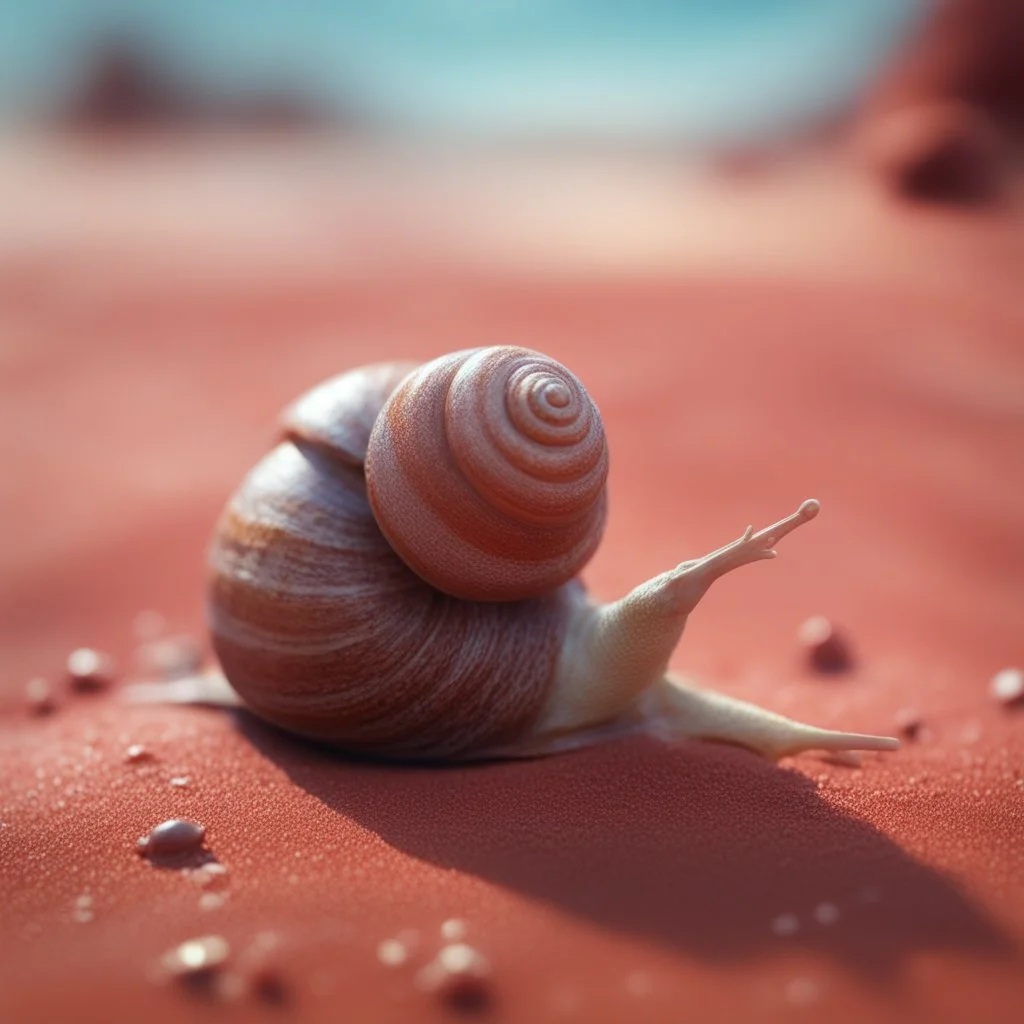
(399, 576)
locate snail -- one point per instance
(399, 577)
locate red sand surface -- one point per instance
(821, 343)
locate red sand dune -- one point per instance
(877, 363)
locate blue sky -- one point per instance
(684, 68)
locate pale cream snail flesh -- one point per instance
(399, 577)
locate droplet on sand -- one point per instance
(181, 781)
(136, 753)
(172, 838)
(460, 977)
(826, 913)
(1007, 685)
(786, 924)
(453, 929)
(825, 647)
(89, 669)
(39, 696)
(392, 953)
(196, 956)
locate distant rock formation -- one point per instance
(940, 124)
(125, 89)
(122, 89)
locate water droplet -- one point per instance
(802, 991)
(786, 924)
(826, 913)
(89, 669)
(1007, 685)
(171, 839)
(392, 953)
(460, 977)
(39, 696)
(136, 753)
(181, 781)
(825, 648)
(196, 955)
(453, 929)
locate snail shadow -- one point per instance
(698, 847)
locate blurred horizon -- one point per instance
(697, 72)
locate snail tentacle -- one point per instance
(685, 711)
(619, 650)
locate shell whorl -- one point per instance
(486, 471)
(323, 630)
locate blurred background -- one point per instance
(697, 73)
(206, 208)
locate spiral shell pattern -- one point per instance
(323, 631)
(486, 472)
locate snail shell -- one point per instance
(398, 576)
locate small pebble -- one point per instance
(39, 696)
(460, 977)
(786, 925)
(1007, 685)
(181, 781)
(169, 658)
(90, 670)
(909, 723)
(136, 753)
(825, 648)
(826, 913)
(172, 838)
(196, 956)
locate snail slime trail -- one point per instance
(399, 577)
